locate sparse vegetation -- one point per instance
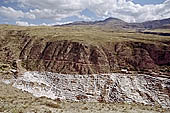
(15, 101)
(11, 44)
(13, 38)
(4, 67)
(53, 105)
(86, 34)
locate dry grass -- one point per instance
(86, 34)
(12, 38)
(160, 30)
(13, 100)
(53, 105)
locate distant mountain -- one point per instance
(112, 23)
(102, 22)
(151, 24)
(118, 23)
(109, 22)
(156, 23)
(167, 26)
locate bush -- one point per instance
(53, 105)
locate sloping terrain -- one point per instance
(156, 23)
(83, 50)
(116, 87)
(114, 23)
(13, 100)
(83, 53)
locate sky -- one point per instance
(52, 12)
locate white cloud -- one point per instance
(24, 23)
(50, 14)
(29, 15)
(61, 23)
(21, 23)
(58, 9)
(131, 12)
(11, 13)
(70, 5)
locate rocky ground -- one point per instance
(115, 93)
(114, 87)
(13, 100)
(83, 49)
(31, 57)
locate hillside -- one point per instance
(83, 49)
(120, 70)
(13, 100)
(115, 23)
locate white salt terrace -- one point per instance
(113, 87)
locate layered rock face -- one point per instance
(69, 57)
(115, 87)
(56, 53)
(79, 64)
(66, 57)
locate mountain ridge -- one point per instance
(114, 22)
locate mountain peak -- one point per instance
(120, 24)
(111, 19)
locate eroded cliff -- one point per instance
(78, 50)
(80, 58)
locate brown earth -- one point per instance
(75, 57)
(82, 57)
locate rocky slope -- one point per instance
(67, 56)
(65, 63)
(74, 57)
(13, 100)
(115, 87)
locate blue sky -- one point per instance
(144, 2)
(50, 12)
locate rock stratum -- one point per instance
(79, 58)
(114, 87)
(86, 63)
(83, 50)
